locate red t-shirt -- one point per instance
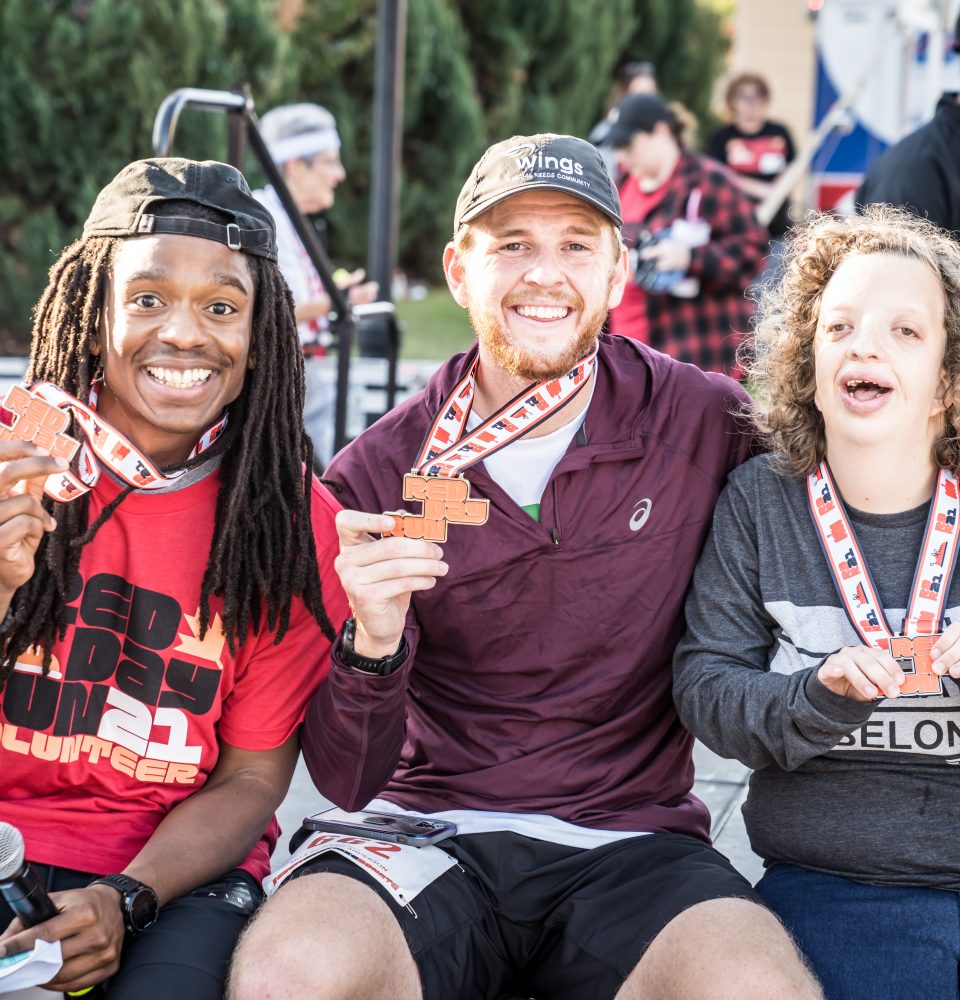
(129, 720)
(629, 319)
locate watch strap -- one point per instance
(129, 887)
(381, 666)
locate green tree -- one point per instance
(687, 42)
(82, 83)
(478, 72)
(545, 65)
(83, 80)
(443, 128)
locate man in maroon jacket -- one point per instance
(516, 681)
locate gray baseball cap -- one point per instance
(545, 162)
(123, 207)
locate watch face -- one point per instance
(141, 907)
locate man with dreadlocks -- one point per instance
(165, 628)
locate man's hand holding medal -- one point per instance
(24, 469)
(32, 448)
(379, 575)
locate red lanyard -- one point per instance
(447, 452)
(42, 415)
(858, 593)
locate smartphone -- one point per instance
(416, 831)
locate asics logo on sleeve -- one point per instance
(641, 512)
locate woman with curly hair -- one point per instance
(820, 649)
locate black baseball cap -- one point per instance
(538, 162)
(123, 207)
(636, 113)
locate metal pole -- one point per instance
(237, 131)
(241, 104)
(342, 323)
(387, 135)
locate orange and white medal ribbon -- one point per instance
(42, 414)
(923, 622)
(437, 477)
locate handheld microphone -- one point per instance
(19, 885)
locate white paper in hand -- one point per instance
(30, 968)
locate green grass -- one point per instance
(434, 327)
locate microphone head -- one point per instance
(11, 851)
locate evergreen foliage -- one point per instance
(82, 81)
(685, 40)
(479, 72)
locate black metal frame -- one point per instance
(242, 124)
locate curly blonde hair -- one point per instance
(780, 363)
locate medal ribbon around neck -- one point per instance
(437, 477)
(42, 414)
(858, 593)
(447, 452)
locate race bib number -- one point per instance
(402, 870)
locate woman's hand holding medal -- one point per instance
(866, 672)
(862, 673)
(23, 470)
(379, 575)
(946, 653)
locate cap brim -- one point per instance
(482, 206)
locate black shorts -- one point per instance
(526, 917)
(187, 952)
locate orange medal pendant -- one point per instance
(445, 501)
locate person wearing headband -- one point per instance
(169, 615)
(304, 142)
(823, 642)
(507, 665)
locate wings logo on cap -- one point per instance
(525, 149)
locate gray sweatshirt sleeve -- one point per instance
(725, 693)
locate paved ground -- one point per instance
(720, 783)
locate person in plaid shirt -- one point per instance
(695, 243)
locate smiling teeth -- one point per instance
(543, 312)
(181, 379)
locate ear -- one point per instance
(251, 362)
(95, 345)
(456, 279)
(945, 396)
(621, 275)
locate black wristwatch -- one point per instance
(367, 664)
(138, 902)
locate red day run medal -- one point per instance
(437, 477)
(42, 412)
(858, 593)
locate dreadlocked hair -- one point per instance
(263, 552)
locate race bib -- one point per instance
(402, 870)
